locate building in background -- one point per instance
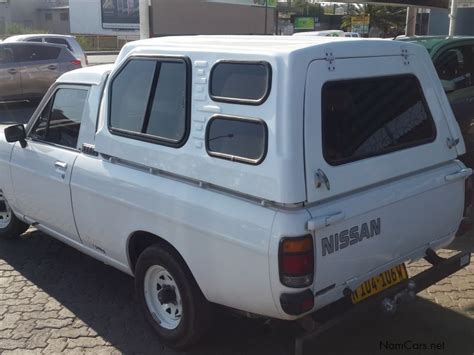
(188, 17)
(36, 15)
(173, 17)
(438, 23)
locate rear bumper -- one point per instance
(441, 269)
(344, 309)
(293, 304)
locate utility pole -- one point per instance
(266, 15)
(144, 11)
(452, 17)
(410, 28)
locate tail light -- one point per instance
(76, 62)
(296, 261)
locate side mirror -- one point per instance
(448, 86)
(16, 133)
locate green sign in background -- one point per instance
(304, 23)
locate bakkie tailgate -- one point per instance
(361, 235)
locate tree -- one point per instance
(389, 20)
(305, 8)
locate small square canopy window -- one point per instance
(238, 139)
(241, 82)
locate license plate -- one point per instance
(379, 283)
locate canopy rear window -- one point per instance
(368, 117)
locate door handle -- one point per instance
(461, 174)
(325, 221)
(52, 67)
(12, 71)
(61, 165)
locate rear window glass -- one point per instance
(34, 52)
(369, 117)
(58, 41)
(247, 83)
(237, 139)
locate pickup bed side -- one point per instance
(227, 254)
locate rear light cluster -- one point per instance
(76, 62)
(296, 261)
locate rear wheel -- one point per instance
(10, 225)
(170, 298)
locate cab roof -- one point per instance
(93, 75)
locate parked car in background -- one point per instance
(453, 58)
(69, 41)
(351, 34)
(27, 70)
(327, 33)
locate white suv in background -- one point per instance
(69, 41)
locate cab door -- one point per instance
(41, 171)
(10, 78)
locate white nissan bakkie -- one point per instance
(277, 176)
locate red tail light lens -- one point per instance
(76, 62)
(296, 259)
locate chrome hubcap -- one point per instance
(162, 297)
(5, 212)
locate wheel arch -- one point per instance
(138, 241)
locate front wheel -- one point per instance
(10, 225)
(170, 298)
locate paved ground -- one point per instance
(55, 299)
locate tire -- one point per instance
(10, 225)
(180, 319)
